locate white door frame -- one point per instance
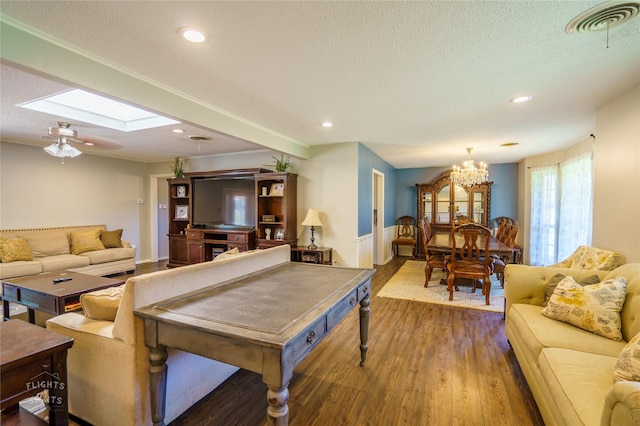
(378, 225)
(153, 213)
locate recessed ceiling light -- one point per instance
(327, 124)
(178, 131)
(192, 35)
(520, 99)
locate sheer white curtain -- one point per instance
(544, 202)
(561, 209)
(576, 205)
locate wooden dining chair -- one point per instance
(434, 260)
(508, 237)
(470, 260)
(405, 235)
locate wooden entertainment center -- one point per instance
(270, 203)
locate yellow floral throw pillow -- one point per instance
(628, 363)
(85, 241)
(595, 308)
(14, 249)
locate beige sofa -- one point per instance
(570, 370)
(52, 249)
(108, 366)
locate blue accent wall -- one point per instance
(401, 195)
(504, 191)
(367, 162)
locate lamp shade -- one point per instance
(312, 218)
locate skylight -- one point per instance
(90, 108)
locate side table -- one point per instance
(33, 359)
(321, 255)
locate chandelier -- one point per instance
(469, 174)
(61, 147)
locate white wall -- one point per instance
(616, 214)
(616, 210)
(38, 191)
(327, 182)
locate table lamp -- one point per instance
(312, 219)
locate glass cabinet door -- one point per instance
(461, 201)
(443, 201)
(427, 205)
(478, 207)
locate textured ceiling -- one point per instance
(416, 82)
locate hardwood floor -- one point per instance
(427, 365)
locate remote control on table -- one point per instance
(61, 279)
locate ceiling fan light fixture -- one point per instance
(61, 148)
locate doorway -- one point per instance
(377, 219)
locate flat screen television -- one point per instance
(221, 202)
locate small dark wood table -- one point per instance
(321, 255)
(34, 359)
(41, 293)
(266, 322)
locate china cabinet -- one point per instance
(443, 203)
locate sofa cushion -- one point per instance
(109, 255)
(82, 241)
(62, 262)
(591, 279)
(111, 239)
(47, 243)
(594, 308)
(628, 363)
(19, 268)
(578, 382)
(14, 249)
(538, 332)
(102, 304)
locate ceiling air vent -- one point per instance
(200, 138)
(602, 17)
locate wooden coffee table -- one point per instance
(41, 293)
(33, 359)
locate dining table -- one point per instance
(443, 242)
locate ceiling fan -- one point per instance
(64, 136)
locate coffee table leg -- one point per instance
(5, 310)
(158, 382)
(364, 328)
(278, 410)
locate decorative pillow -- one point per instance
(102, 304)
(227, 254)
(628, 363)
(592, 279)
(111, 239)
(14, 249)
(85, 241)
(47, 243)
(595, 308)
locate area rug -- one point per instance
(408, 284)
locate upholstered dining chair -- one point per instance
(433, 260)
(405, 235)
(470, 259)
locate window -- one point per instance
(561, 209)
